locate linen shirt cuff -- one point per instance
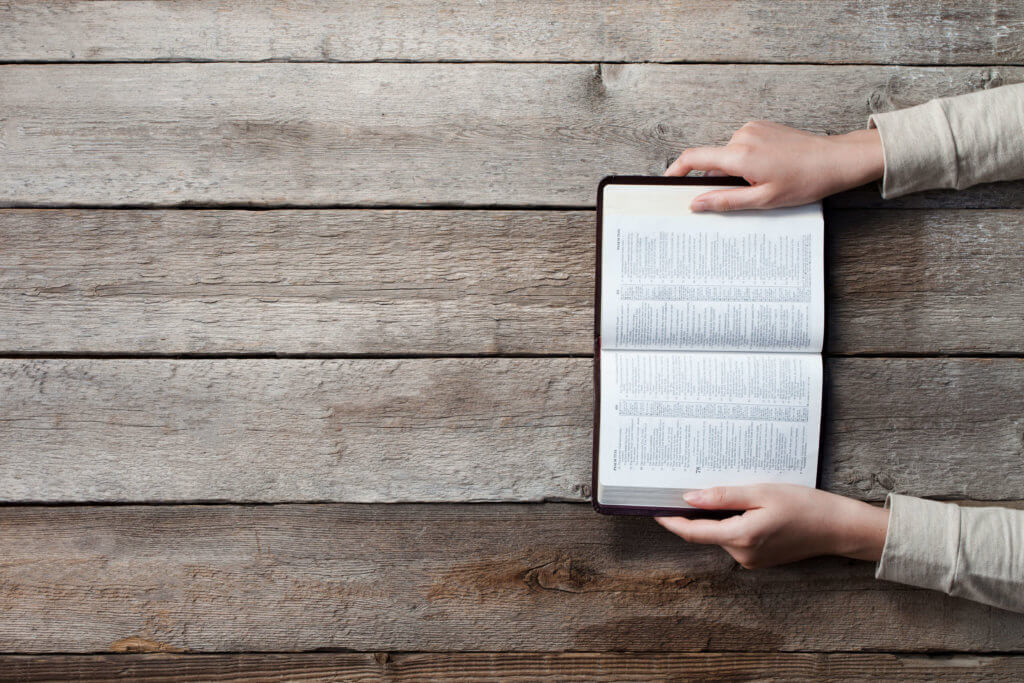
(922, 543)
(918, 149)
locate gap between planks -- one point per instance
(469, 62)
(1012, 503)
(976, 198)
(14, 355)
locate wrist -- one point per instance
(862, 157)
(861, 530)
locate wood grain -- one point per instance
(460, 429)
(508, 666)
(438, 578)
(374, 282)
(447, 282)
(329, 135)
(925, 281)
(281, 430)
(876, 31)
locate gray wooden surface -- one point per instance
(405, 134)
(522, 667)
(338, 301)
(456, 429)
(439, 578)
(872, 31)
(343, 282)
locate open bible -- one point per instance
(709, 333)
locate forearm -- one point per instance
(975, 553)
(954, 142)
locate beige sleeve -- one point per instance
(954, 142)
(974, 553)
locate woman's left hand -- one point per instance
(783, 523)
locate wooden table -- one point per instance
(296, 321)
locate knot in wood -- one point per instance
(559, 575)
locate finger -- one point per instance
(725, 498)
(754, 197)
(713, 173)
(701, 159)
(697, 530)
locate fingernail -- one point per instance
(698, 206)
(693, 497)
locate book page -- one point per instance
(676, 421)
(741, 281)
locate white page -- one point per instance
(682, 420)
(741, 281)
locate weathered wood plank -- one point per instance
(443, 282)
(508, 666)
(401, 134)
(925, 281)
(297, 281)
(449, 429)
(987, 196)
(927, 427)
(281, 430)
(877, 31)
(438, 577)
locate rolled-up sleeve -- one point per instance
(954, 142)
(974, 553)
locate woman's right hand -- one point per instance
(784, 166)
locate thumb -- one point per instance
(725, 498)
(753, 197)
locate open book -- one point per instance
(708, 366)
